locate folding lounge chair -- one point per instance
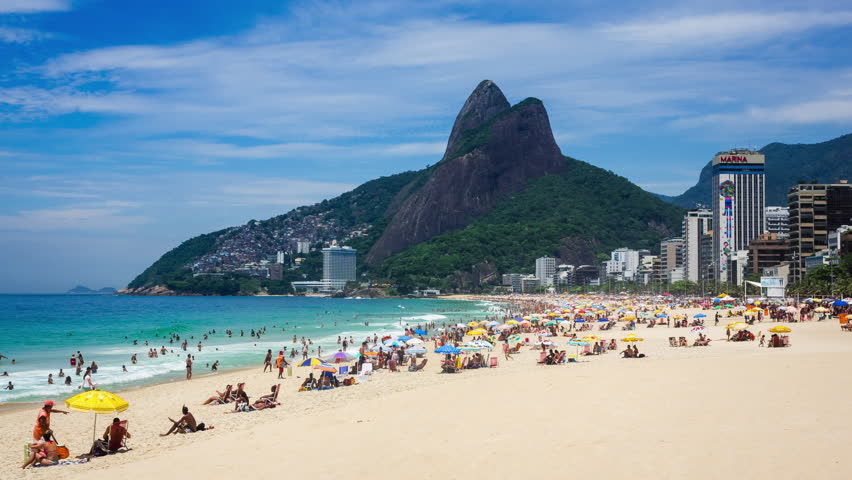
(270, 402)
(117, 436)
(541, 358)
(493, 363)
(416, 368)
(673, 342)
(343, 370)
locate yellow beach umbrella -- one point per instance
(97, 402)
(821, 309)
(591, 338)
(628, 318)
(737, 326)
(473, 324)
(780, 329)
(632, 338)
(512, 322)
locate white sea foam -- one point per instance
(429, 317)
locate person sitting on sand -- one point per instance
(636, 353)
(308, 383)
(185, 424)
(627, 352)
(43, 452)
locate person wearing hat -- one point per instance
(281, 363)
(43, 420)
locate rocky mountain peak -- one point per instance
(494, 151)
(484, 103)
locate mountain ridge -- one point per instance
(501, 192)
(786, 165)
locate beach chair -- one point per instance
(415, 367)
(493, 363)
(366, 368)
(464, 363)
(117, 436)
(683, 342)
(226, 396)
(270, 402)
(541, 358)
(232, 396)
(343, 370)
(785, 340)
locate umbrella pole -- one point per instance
(94, 428)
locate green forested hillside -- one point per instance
(586, 202)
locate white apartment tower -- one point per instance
(545, 270)
(696, 224)
(338, 266)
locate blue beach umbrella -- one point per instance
(840, 303)
(700, 315)
(421, 332)
(447, 349)
(579, 320)
(404, 338)
(603, 320)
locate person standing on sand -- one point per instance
(267, 361)
(280, 362)
(43, 420)
(189, 367)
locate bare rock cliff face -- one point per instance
(493, 152)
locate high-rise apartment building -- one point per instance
(767, 251)
(739, 201)
(815, 210)
(338, 266)
(545, 270)
(778, 221)
(671, 256)
(696, 225)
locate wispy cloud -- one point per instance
(21, 35)
(34, 6)
(69, 219)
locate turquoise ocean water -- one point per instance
(42, 331)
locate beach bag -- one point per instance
(62, 451)
(201, 427)
(99, 449)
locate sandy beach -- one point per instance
(730, 409)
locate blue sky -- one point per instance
(127, 127)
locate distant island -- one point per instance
(81, 290)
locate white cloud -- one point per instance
(724, 29)
(20, 35)
(34, 6)
(815, 112)
(68, 219)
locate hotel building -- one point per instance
(738, 198)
